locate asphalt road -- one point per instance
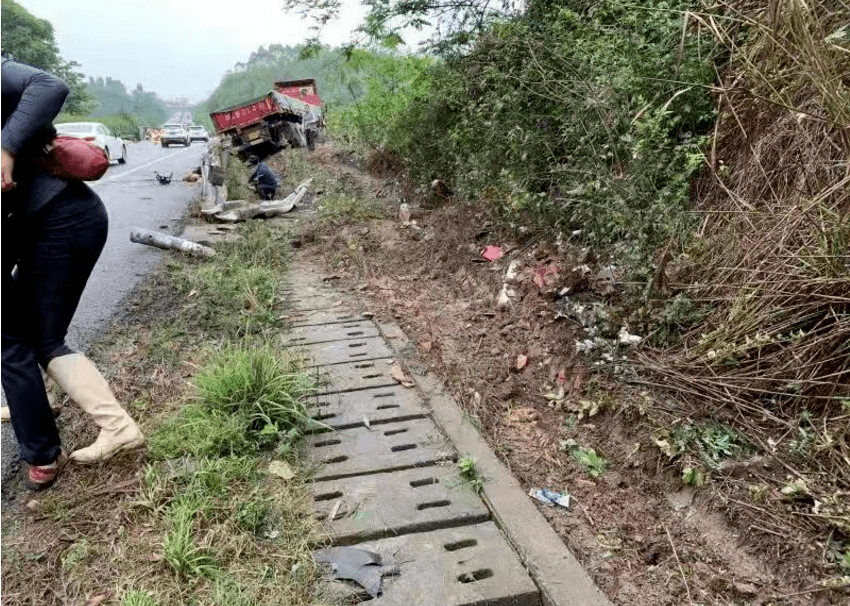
(133, 198)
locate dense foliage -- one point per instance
(30, 40)
(580, 115)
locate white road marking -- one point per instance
(132, 170)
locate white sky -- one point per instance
(176, 48)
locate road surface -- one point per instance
(133, 198)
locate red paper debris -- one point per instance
(545, 276)
(491, 253)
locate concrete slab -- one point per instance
(327, 333)
(469, 566)
(390, 504)
(318, 301)
(561, 578)
(384, 448)
(354, 375)
(321, 316)
(377, 406)
(352, 350)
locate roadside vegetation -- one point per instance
(698, 154)
(215, 510)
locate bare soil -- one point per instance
(645, 537)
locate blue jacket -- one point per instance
(264, 176)
(31, 100)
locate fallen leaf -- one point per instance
(281, 469)
(96, 599)
(398, 373)
(192, 293)
(333, 277)
(521, 361)
(562, 377)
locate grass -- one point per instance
(194, 519)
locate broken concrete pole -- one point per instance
(152, 238)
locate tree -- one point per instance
(30, 40)
(456, 23)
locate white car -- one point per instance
(174, 133)
(98, 134)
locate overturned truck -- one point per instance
(290, 115)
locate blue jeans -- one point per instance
(55, 250)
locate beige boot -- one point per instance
(6, 415)
(78, 377)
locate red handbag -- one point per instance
(76, 159)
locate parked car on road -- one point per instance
(198, 133)
(174, 133)
(98, 134)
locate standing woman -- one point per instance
(53, 230)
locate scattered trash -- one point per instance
(628, 339)
(491, 253)
(281, 469)
(335, 510)
(513, 271)
(521, 361)
(550, 497)
(404, 214)
(398, 373)
(163, 179)
(505, 296)
(363, 567)
(192, 178)
(272, 534)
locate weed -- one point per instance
(259, 382)
(138, 598)
(468, 469)
(693, 477)
(182, 554)
(594, 464)
(712, 442)
(76, 553)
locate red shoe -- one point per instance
(39, 477)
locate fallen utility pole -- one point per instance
(152, 238)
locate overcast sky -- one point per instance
(176, 48)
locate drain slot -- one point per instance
(338, 459)
(327, 496)
(433, 505)
(401, 447)
(386, 406)
(423, 482)
(384, 395)
(357, 345)
(475, 576)
(372, 376)
(460, 544)
(393, 432)
(326, 443)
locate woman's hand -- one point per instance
(8, 168)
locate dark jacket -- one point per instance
(264, 176)
(31, 100)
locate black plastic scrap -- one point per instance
(363, 567)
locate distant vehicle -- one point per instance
(291, 114)
(174, 133)
(198, 133)
(98, 134)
